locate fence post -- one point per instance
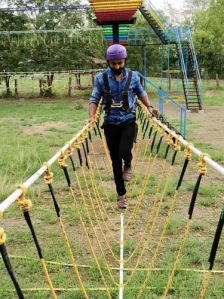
(16, 88)
(69, 86)
(160, 93)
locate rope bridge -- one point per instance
(75, 241)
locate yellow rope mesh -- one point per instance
(99, 219)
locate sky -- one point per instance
(160, 3)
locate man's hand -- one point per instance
(153, 111)
(90, 119)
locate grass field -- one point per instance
(31, 131)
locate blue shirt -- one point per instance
(118, 115)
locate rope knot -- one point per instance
(77, 144)
(48, 177)
(188, 153)
(177, 145)
(2, 236)
(62, 160)
(70, 150)
(24, 203)
(170, 139)
(161, 131)
(202, 164)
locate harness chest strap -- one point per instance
(108, 94)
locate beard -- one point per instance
(117, 72)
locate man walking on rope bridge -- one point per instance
(118, 86)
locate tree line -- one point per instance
(44, 46)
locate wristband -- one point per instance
(150, 106)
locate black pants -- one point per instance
(120, 139)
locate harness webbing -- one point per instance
(108, 94)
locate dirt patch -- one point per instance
(205, 127)
(43, 128)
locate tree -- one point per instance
(10, 60)
(209, 35)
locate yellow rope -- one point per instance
(2, 236)
(24, 203)
(205, 285)
(87, 235)
(47, 277)
(159, 244)
(105, 193)
(152, 217)
(74, 265)
(141, 197)
(178, 258)
(202, 164)
(48, 176)
(147, 243)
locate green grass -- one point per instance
(22, 154)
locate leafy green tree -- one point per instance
(10, 56)
(209, 36)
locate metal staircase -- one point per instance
(190, 71)
(190, 74)
(152, 18)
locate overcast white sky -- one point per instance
(160, 3)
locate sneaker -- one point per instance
(122, 202)
(127, 174)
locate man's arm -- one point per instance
(92, 111)
(145, 100)
(97, 93)
(142, 95)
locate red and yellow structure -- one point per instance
(115, 10)
(115, 17)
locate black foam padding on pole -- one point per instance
(216, 241)
(29, 222)
(67, 176)
(87, 146)
(98, 129)
(80, 156)
(139, 114)
(194, 196)
(150, 132)
(146, 129)
(182, 173)
(85, 154)
(90, 136)
(73, 164)
(167, 151)
(174, 158)
(143, 126)
(56, 206)
(153, 141)
(95, 131)
(159, 144)
(8, 266)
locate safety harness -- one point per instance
(109, 102)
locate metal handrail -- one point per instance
(148, 4)
(162, 94)
(196, 66)
(183, 66)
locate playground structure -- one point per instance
(117, 29)
(116, 20)
(96, 243)
(126, 262)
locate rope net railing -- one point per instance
(75, 242)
